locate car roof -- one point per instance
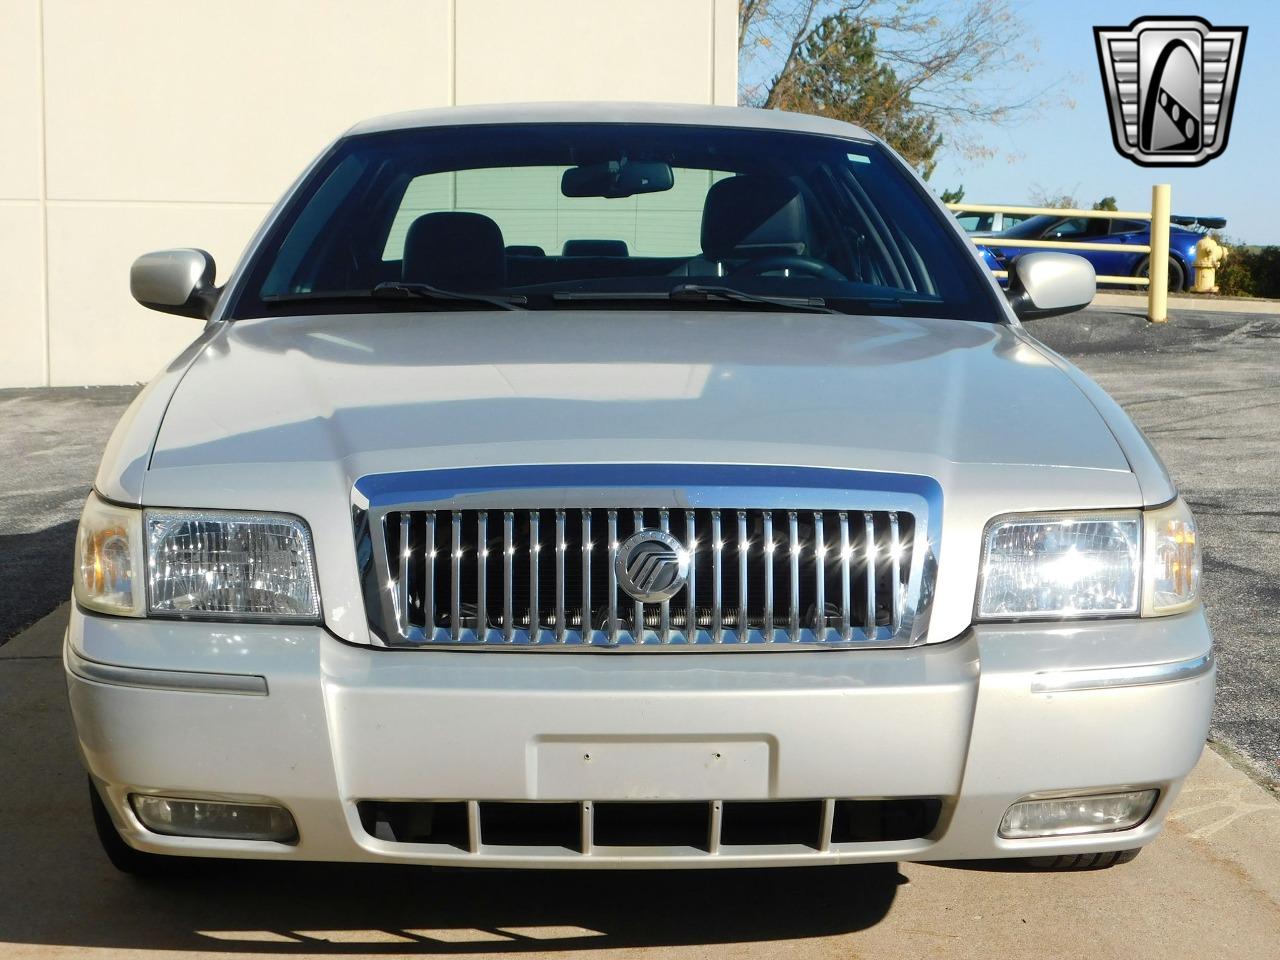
(606, 112)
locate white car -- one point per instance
(628, 486)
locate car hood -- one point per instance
(287, 413)
(420, 390)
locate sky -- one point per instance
(1065, 149)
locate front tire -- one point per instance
(1177, 276)
(122, 856)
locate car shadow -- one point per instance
(35, 574)
(60, 890)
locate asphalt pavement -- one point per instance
(50, 443)
(1205, 387)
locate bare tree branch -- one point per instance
(961, 63)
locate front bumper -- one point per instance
(292, 716)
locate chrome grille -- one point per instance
(465, 568)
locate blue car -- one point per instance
(1113, 237)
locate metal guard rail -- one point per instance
(1157, 283)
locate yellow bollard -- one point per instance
(1158, 272)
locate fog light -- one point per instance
(215, 819)
(1064, 816)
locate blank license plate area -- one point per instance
(632, 769)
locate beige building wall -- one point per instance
(141, 124)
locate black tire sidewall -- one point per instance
(1175, 270)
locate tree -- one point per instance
(838, 74)
(957, 63)
(1056, 198)
(1106, 203)
(953, 196)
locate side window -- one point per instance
(1077, 228)
(1128, 226)
(976, 221)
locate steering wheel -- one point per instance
(790, 261)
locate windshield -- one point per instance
(611, 216)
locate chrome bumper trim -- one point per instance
(175, 680)
(1062, 681)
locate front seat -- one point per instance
(454, 250)
(751, 216)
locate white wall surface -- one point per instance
(133, 125)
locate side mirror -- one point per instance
(1048, 284)
(175, 281)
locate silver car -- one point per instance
(600, 486)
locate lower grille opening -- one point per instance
(531, 825)
(631, 827)
(623, 824)
(759, 823)
(416, 822)
(866, 821)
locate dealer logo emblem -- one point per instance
(652, 566)
(1171, 86)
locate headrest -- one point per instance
(594, 248)
(525, 250)
(455, 251)
(753, 215)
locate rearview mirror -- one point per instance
(1048, 284)
(617, 178)
(175, 281)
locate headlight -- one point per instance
(108, 572)
(1090, 564)
(1061, 565)
(206, 564)
(214, 563)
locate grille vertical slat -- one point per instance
(587, 547)
(845, 580)
(793, 554)
(508, 576)
(455, 579)
(766, 543)
(562, 547)
(846, 625)
(637, 615)
(402, 581)
(691, 588)
(613, 576)
(820, 578)
(717, 578)
(482, 571)
(535, 548)
(895, 572)
(664, 608)
(870, 624)
(429, 574)
(743, 548)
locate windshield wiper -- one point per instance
(396, 289)
(703, 293)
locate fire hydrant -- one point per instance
(1209, 256)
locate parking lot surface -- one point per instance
(50, 444)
